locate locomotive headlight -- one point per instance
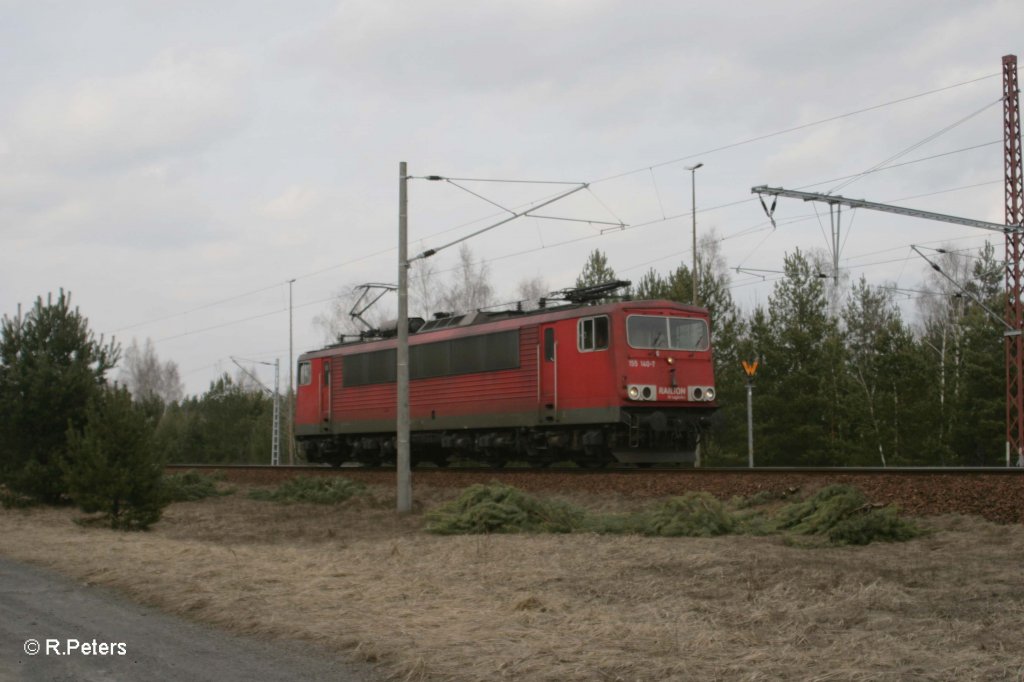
(642, 392)
(701, 394)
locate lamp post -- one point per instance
(291, 380)
(693, 200)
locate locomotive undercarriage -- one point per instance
(642, 437)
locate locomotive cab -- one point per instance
(668, 385)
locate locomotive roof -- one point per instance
(477, 319)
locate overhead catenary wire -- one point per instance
(513, 255)
(803, 126)
(917, 145)
(590, 190)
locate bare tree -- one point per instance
(146, 377)
(247, 380)
(942, 321)
(530, 290)
(336, 322)
(470, 287)
(426, 296)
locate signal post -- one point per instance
(751, 369)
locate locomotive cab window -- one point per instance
(305, 374)
(592, 333)
(671, 333)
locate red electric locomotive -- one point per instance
(629, 382)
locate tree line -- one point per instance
(843, 378)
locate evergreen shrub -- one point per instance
(843, 515)
(695, 514)
(498, 508)
(111, 468)
(312, 489)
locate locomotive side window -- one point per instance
(429, 360)
(468, 355)
(485, 353)
(305, 374)
(676, 333)
(592, 333)
(549, 344)
(364, 369)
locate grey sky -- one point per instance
(157, 157)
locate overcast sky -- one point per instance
(174, 163)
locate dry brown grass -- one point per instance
(364, 582)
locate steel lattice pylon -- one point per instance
(1014, 269)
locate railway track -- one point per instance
(996, 494)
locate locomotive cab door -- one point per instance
(325, 397)
(547, 391)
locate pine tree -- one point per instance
(650, 287)
(801, 376)
(112, 468)
(51, 364)
(596, 270)
(978, 434)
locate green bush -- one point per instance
(498, 508)
(695, 514)
(191, 486)
(876, 525)
(111, 468)
(820, 512)
(312, 489)
(843, 515)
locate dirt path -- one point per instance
(52, 628)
